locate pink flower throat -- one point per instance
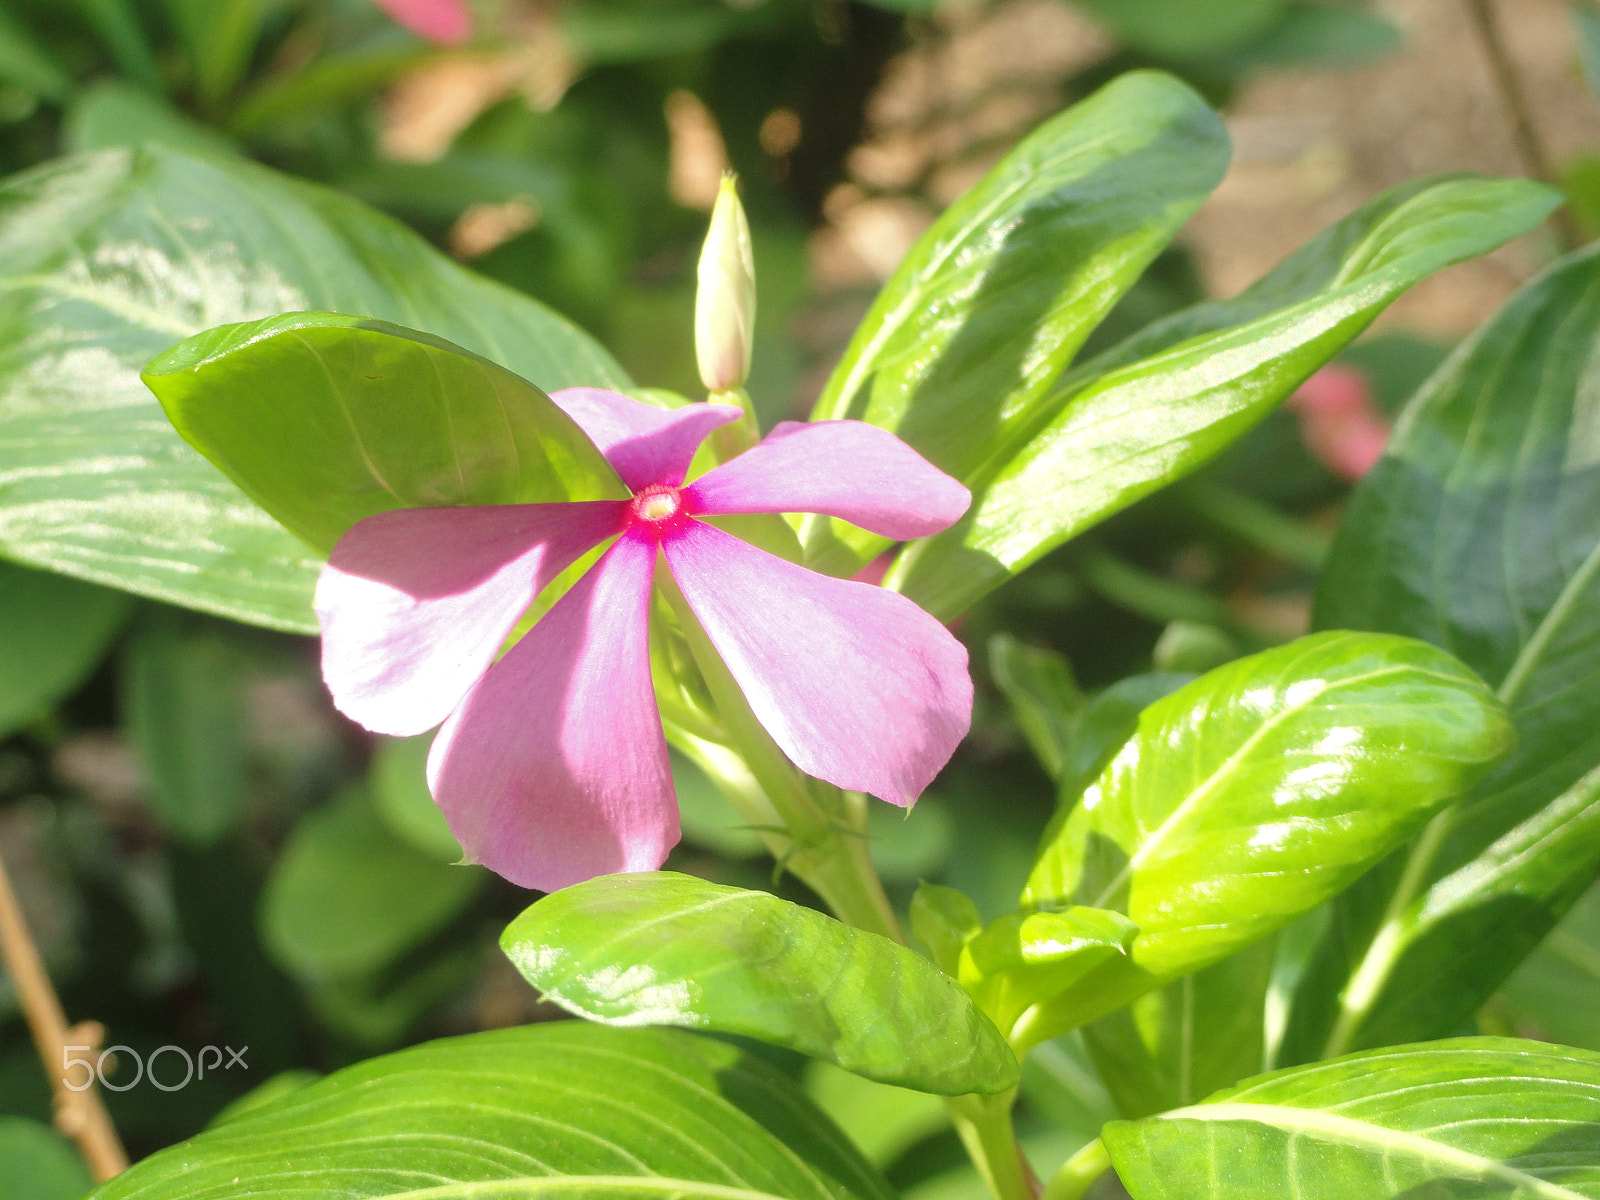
(657, 507)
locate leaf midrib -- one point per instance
(1334, 1128)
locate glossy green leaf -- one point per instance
(1158, 406)
(183, 699)
(108, 259)
(1479, 531)
(325, 419)
(398, 781)
(667, 949)
(1044, 697)
(986, 310)
(554, 1110)
(1257, 792)
(1026, 958)
(1489, 1118)
(944, 920)
(39, 1163)
(53, 631)
(346, 897)
(1179, 1043)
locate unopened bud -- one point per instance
(725, 304)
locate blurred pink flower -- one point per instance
(446, 21)
(551, 767)
(1339, 423)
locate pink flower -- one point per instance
(1339, 423)
(551, 767)
(446, 21)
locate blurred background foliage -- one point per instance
(210, 855)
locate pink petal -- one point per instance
(446, 21)
(846, 469)
(1339, 422)
(644, 443)
(416, 602)
(554, 769)
(859, 686)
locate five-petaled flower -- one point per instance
(551, 766)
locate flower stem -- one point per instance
(984, 1123)
(79, 1115)
(1079, 1172)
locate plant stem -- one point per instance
(1079, 1172)
(984, 1123)
(1530, 147)
(79, 1115)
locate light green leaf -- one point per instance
(52, 633)
(1023, 959)
(346, 897)
(883, 1121)
(964, 341)
(325, 419)
(108, 259)
(944, 920)
(667, 949)
(1555, 987)
(1155, 408)
(1479, 531)
(40, 1164)
(183, 699)
(1257, 792)
(553, 1111)
(111, 113)
(1490, 1118)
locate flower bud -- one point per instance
(725, 304)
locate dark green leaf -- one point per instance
(106, 260)
(183, 700)
(1479, 531)
(883, 1121)
(1185, 28)
(40, 1164)
(1257, 792)
(1556, 985)
(399, 785)
(121, 28)
(1476, 1117)
(346, 897)
(1180, 1043)
(556, 1110)
(219, 36)
(668, 949)
(25, 63)
(986, 310)
(325, 419)
(1044, 697)
(1155, 408)
(53, 631)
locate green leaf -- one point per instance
(1185, 28)
(1257, 792)
(346, 898)
(1158, 406)
(554, 1110)
(964, 341)
(53, 631)
(219, 36)
(1179, 1043)
(107, 259)
(183, 700)
(667, 949)
(325, 419)
(27, 64)
(40, 1164)
(944, 920)
(1043, 695)
(111, 113)
(1479, 531)
(121, 29)
(1555, 987)
(883, 1121)
(1023, 959)
(1479, 1117)
(399, 784)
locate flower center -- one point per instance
(657, 504)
